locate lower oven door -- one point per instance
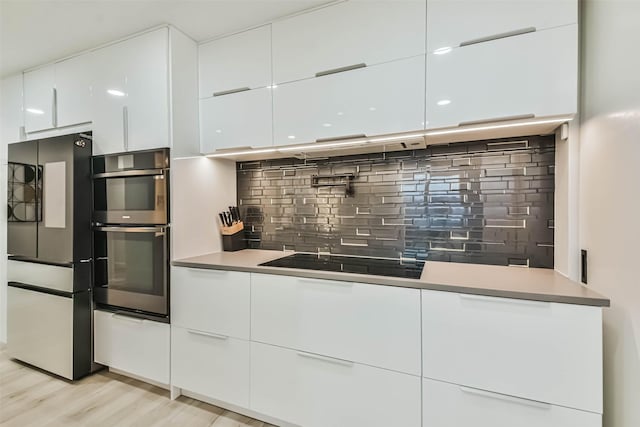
(131, 266)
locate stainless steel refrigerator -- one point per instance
(49, 301)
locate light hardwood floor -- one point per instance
(29, 397)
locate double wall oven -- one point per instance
(131, 233)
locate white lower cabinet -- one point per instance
(543, 351)
(310, 390)
(450, 405)
(216, 366)
(370, 324)
(136, 346)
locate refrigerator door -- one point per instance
(40, 330)
(64, 231)
(24, 199)
(49, 277)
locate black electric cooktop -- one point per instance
(348, 264)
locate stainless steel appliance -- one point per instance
(131, 233)
(49, 246)
(132, 188)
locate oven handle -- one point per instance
(138, 172)
(132, 229)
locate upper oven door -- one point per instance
(131, 188)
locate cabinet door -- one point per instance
(11, 119)
(308, 390)
(452, 22)
(39, 99)
(375, 325)
(535, 73)
(136, 346)
(541, 351)
(108, 100)
(241, 119)
(73, 89)
(147, 101)
(241, 60)
(450, 405)
(211, 300)
(375, 100)
(212, 365)
(345, 34)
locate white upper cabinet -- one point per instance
(11, 120)
(451, 23)
(241, 119)
(59, 94)
(531, 74)
(347, 34)
(239, 61)
(147, 59)
(131, 96)
(39, 99)
(375, 100)
(235, 91)
(74, 81)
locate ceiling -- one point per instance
(34, 32)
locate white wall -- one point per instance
(610, 191)
(200, 189)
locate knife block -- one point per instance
(233, 237)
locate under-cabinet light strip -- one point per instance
(363, 141)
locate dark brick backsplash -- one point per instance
(486, 202)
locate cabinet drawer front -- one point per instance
(43, 275)
(534, 73)
(346, 34)
(541, 351)
(237, 120)
(450, 405)
(450, 23)
(375, 100)
(239, 60)
(40, 330)
(139, 347)
(309, 391)
(370, 324)
(212, 365)
(211, 300)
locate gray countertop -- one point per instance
(535, 284)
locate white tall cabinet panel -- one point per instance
(241, 60)
(313, 391)
(241, 119)
(454, 22)
(131, 96)
(450, 405)
(542, 351)
(74, 82)
(39, 99)
(346, 34)
(534, 73)
(375, 100)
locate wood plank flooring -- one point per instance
(29, 397)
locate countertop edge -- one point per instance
(405, 283)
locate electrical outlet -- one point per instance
(583, 266)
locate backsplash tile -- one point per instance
(487, 202)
